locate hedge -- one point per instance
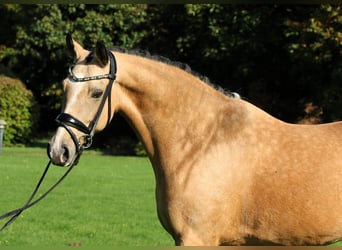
(19, 109)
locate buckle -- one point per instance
(86, 141)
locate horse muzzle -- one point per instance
(66, 146)
(61, 150)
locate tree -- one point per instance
(255, 50)
(316, 51)
(279, 57)
(37, 50)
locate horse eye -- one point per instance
(97, 93)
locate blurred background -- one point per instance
(285, 59)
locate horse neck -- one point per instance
(166, 105)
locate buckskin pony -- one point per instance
(227, 173)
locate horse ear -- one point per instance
(101, 54)
(70, 46)
(74, 49)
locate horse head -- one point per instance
(87, 89)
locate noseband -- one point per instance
(66, 120)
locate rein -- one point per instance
(66, 121)
(15, 213)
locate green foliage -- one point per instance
(35, 47)
(315, 48)
(139, 149)
(18, 108)
(280, 57)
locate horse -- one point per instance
(227, 172)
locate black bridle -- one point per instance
(66, 121)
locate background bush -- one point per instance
(19, 109)
(282, 58)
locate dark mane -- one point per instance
(181, 65)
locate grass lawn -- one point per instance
(105, 201)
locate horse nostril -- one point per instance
(65, 154)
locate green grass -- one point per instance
(105, 201)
